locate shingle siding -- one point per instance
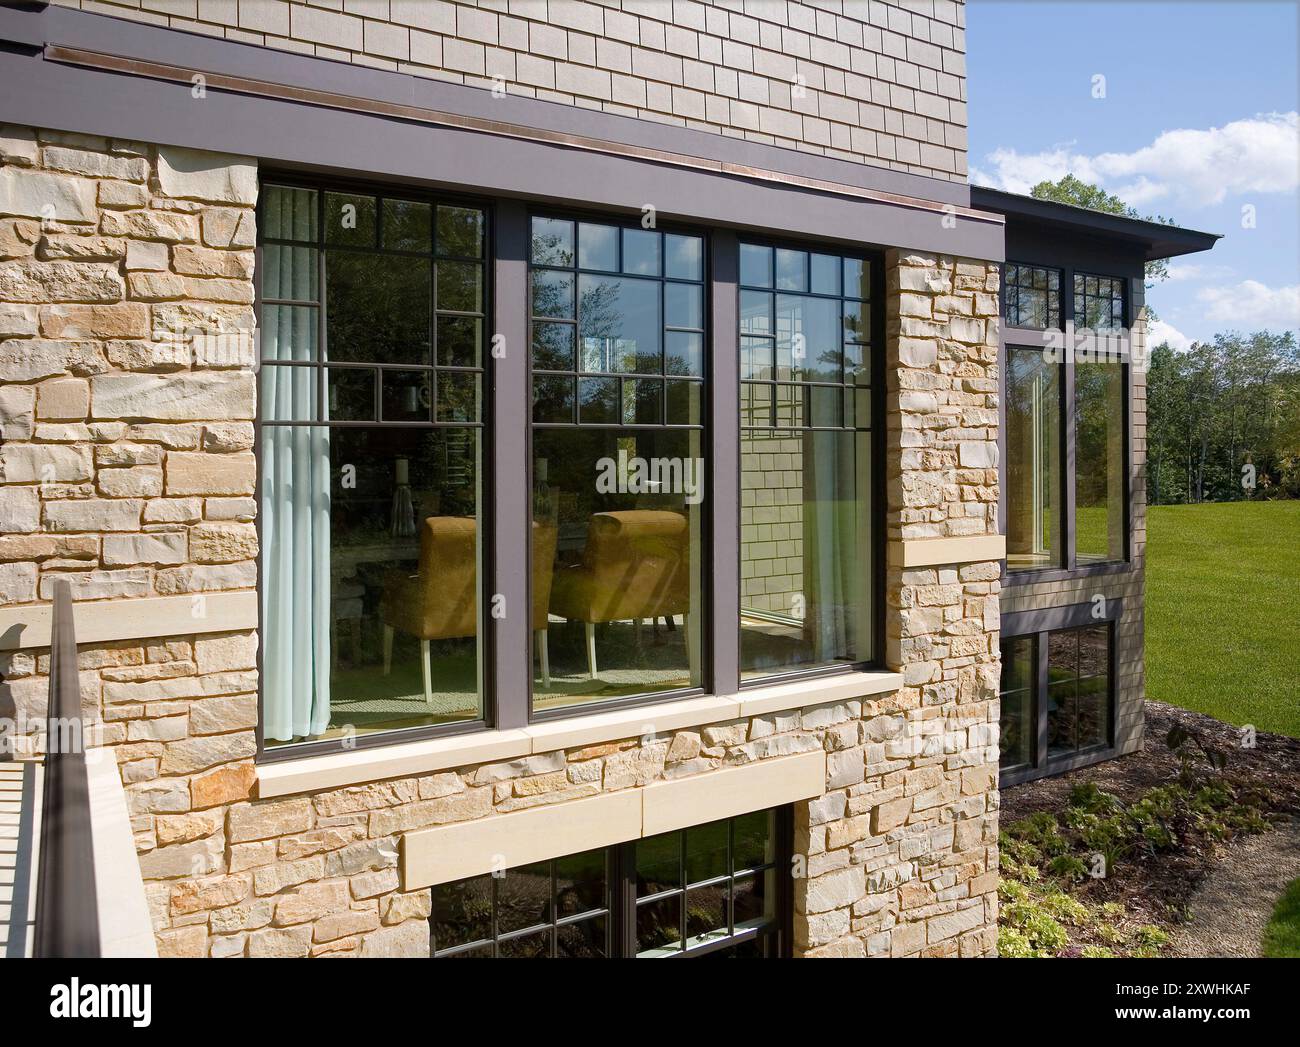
(727, 67)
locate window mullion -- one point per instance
(1068, 488)
(723, 641)
(510, 544)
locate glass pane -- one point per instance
(619, 327)
(460, 340)
(643, 401)
(706, 852)
(1019, 722)
(706, 913)
(458, 397)
(683, 257)
(552, 242)
(289, 213)
(1094, 651)
(757, 357)
(791, 270)
(579, 883)
(586, 939)
(290, 272)
(408, 226)
(460, 287)
(641, 252)
(597, 247)
(407, 396)
(685, 403)
(754, 840)
(805, 533)
(553, 346)
(857, 321)
(825, 274)
(824, 405)
(378, 307)
(755, 404)
(808, 339)
(1033, 472)
(370, 579)
(755, 265)
(685, 353)
(290, 394)
(1099, 462)
(598, 401)
(349, 220)
(1061, 718)
(351, 392)
(462, 912)
(621, 604)
(658, 926)
(755, 313)
(524, 897)
(290, 332)
(552, 399)
(755, 898)
(684, 305)
(552, 294)
(658, 861)
(460, 232)
(857, 278)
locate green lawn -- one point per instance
(1223, 611)
(1282, 935)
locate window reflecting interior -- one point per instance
(1033, 296)
(618, 460)
(805, 416)
(1033, 472)
(1098, 302)
(1078, 683)
(1019, 724)
(1099, 462)
(371, 408)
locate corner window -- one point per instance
(371, 418)
(1057, 698)
(805, 484)
(1033, 472)
(1098, 302)
(1032, 296)
(619, 455)
(718, 890)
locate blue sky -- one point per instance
(1198, 120)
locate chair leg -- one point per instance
(543, 656)
(388, 649)
(590, 629)
(427, 672)
(690, 644)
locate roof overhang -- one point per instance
(1153, 239)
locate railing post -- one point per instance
(67, 912)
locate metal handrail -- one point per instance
(67, 912)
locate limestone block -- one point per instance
(122, 195)
(193, 174)
(98, 585)
(17, 583)
(17, 321)
(144, 481)
(29, 281)
(144, 255)
(200, 857)
(18, 145)
(17, 411)
(46, 195)
(224, 785)
(202, 261)
(213, 578)
(173, 398)
(20, 510)
(126, 320)
(229, 227)
(144, 548)
(225, 652)
(64, 399)
(218, 715)
(223, 542)
(168, 226)
(198, 754)
(93, 514)
(405, 939)
(45, 463)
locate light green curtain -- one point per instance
(837, 544)
(295, 502)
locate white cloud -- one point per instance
(1159, 332)
(1188, 166)
(1252, 306)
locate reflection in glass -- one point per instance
(1033, 473)
(1019, 726)
(1099, 462)
(1078, 674)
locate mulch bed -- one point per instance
(1157, 892)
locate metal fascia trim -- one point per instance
(419, 114)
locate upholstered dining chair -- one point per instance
(440, 601)
(636, 565)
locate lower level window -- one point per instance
(710, 890)
(1056, 696)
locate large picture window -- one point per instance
(1033, 471)
(717, 890)
(1099, 462)
(370, 404)
(806, 417)
(618, 459)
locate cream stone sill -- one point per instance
(336, 770)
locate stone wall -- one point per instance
(877, 81)
(118, 374)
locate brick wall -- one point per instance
(864, 80)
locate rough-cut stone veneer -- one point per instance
(875, 81)
(898, 857)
